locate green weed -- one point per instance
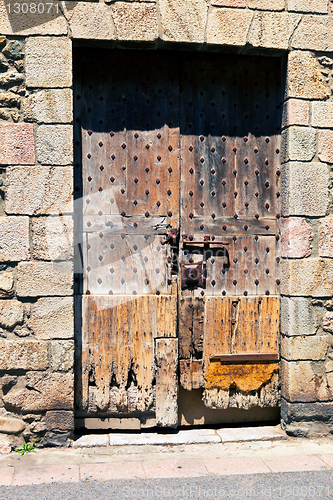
(27, 447)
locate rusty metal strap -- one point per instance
(243, 358)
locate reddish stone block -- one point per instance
(230, 3)
(296, 238)
(17, 144)
(326, 237)
(295, 112)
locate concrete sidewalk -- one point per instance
(225, 452)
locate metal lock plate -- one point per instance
(192, 275)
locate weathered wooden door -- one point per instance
(178, 185)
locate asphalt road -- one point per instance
(285, 486)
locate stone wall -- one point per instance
(36, 182)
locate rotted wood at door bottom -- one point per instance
(232, 326)
(129, 357)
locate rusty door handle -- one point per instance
(171, 238)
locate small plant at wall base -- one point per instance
(27, 447)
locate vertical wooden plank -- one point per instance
(166, 362)
(185, 331)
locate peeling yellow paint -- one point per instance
(246, 377)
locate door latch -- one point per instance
(171, 237)
(192, 275)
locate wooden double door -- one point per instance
(178, 187)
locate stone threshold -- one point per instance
(190, 436)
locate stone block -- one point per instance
(23, 355)
(183, 21)
(326, 237)
(295, 112)
(312, 277)
(90, 20)
(91, 440)
(298, 144)
(52, 238)
(228, 26)
(135, 21)
(48, 62)
(300, 382)
(14, 239)
(54, 144)
(312, 6)
(6, 285)
(62, 355)
(55, 439)
(312, 348)
(314, 33)
(298, 317)
(11, 313)
(59, 421)
(327, 323)
(48, 23)
(304, 80)
(9, 425)
(296, 238)
(13, 50)
(49, 106)
(305, 189)
(17, 144)
(36, 279)
(243, 434)
(272, 29)
(325, 145)
(8, 99)
(266, 4)
(237, 4)
(298, 412)
(322, 114)
(43, 391)
(39, 190)
(52, 318)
